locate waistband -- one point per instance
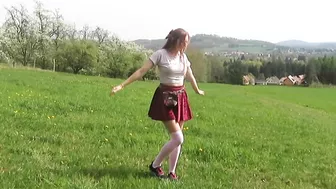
(171, 88)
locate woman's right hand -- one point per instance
(200, 92)
(116, 89)
(135, 76)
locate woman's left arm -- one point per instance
(190, 77)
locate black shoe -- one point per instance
(157, 171)
(172, 176)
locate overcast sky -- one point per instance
(269, 20)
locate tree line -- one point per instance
(231, 70)
(43, 40)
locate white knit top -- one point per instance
(172, 68)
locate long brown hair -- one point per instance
(174, 37)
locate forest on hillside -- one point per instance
(41, 39)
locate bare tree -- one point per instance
(100, 35)
(85, 33)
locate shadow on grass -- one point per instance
(116, 172)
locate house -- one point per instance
(274, 80)
(260, 82)
(294, 80)
(289, 81)
(302, 76)
(281, 80)
(248, 79)
(300, 79)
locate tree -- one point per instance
(3, 57)
(302, 58)
(85, 33)
(198, 63)
(79, 54)
(280, 68)
(215, 70)
(57, 37)
(311, 71)
(254, 70)
(19, 39)
(44, 32)
(236, 71)
(100, 35)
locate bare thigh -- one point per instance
(172, 126)
(181, 123)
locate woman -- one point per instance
(170, 101)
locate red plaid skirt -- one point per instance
(180, 112)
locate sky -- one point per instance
(268, 20)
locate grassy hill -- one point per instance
(308, 45)
(65, 131)
(214, 43)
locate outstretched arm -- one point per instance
(139, 73)
(190, 77)
(135, 76)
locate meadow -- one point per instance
(62, 130)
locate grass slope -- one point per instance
(65, 131)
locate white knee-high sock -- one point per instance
(175, 141)
(173, 157)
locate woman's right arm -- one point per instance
(135, 76)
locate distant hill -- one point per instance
(294, 43)
(304, 44)
(215, 43)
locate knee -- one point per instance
(178, 137)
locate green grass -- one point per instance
(65, 131)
